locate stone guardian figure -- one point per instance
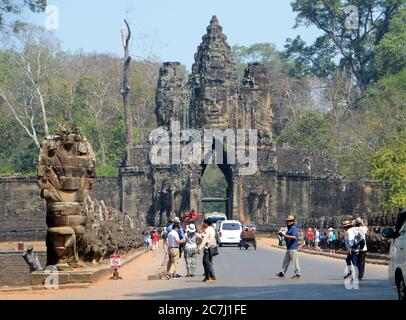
(66, 174)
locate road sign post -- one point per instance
(115, 262)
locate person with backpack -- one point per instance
(331, 240)
(354, 240)
(363, 229)
(317, 239)
(147, 241)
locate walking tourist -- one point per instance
(209, 248)
(353, 241)
(317, 238)
(331, 240)
(291, 238)
(147, 241)
(173, 251)
(155, 240)
(363, 229)
(192, 239)
(164, 236)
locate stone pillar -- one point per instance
(238, 201)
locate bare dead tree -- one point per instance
(125, 38)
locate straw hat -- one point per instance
(290, 218)
(176, 220)
(346, 223)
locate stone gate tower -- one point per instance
(214, 98)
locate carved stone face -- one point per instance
(216, 109)
(68, 141)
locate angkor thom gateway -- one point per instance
(300, 182)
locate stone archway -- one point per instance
(228, 199)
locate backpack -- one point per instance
(359, 241)
(320, 236)
(165, 235)
(333, 237)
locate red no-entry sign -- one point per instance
(115, 262)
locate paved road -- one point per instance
(241, 275)
(251, 275)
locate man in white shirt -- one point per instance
(173, 251)
(363, 229)
(352, 239)
(209, 240)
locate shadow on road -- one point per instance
(368, 290)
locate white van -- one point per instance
(397, 265)
(230, 232)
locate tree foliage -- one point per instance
(311, 131)
(349, 39)
(391, 52)
(388, 166)
(10, 10)
(265, 53)
(39, 79)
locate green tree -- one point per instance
(391, 52)
(311, 131)
(317, 59)
(348, 39)
(361, 133)
(265, 53)
(388, 166)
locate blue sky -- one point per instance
(171, 30)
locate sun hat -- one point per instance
(176, 220)
(290, 218)
(330, 229)
(346, 223)
(191, 228)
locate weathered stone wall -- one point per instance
(14, 270)
(22, 211)
(271, 197)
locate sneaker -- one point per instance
(168, 277)
(295, 276)
(178, 276)
(347, 275)
(280, 275)
(205, 280)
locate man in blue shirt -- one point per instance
(181, 232)
(291, 239)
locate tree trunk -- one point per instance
(126, 90)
